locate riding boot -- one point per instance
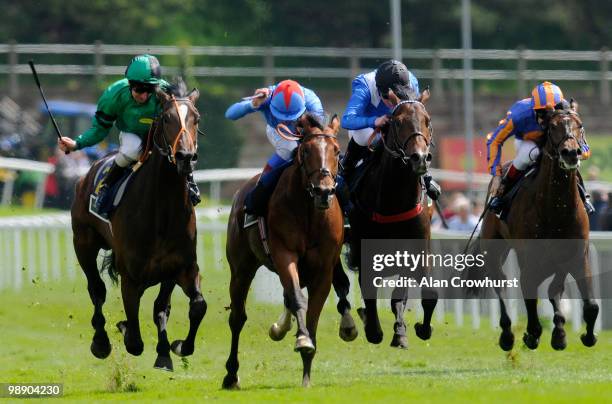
(585, 196)
(256, 203)
(432, 187)
(194, 191)
(110, 179)
(497, 202)
(354, 153)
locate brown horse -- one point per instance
(388, 205)
(152, 233)
(547, 207)
(305, 233)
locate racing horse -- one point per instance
(152, 232)
(305, 233)
(547, 207)
(388, 204)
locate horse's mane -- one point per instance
(178, 88)
(313, 120)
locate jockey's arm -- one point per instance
(314, 105)
(245, 107)
(101, 123)
(353, 117)
(495, 141)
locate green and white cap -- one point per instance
(144, 69)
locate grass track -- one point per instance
(46, 336)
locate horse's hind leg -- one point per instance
(429, 299)
(506, 339)
(189, 281)
(348, 330)
(558, 340)
(531, 338)
(239, 289)
(86, 251)
(130, 328)
(371, 322)
(161, 312)
(399, 339)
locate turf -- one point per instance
(46, 335)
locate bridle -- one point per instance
(324, 171)
(393, 147)
(556, 154)
(167, 150)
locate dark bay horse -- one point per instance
(305, 233)
(547, 207)
(388, 205)
(152, 233)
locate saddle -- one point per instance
(116, 192)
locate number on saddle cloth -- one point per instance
(257, 199)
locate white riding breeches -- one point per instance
(527, 153)
(283, 147)
(130, 146)
(361, 136)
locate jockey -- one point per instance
(369, 109)
(283, 103)
(526, 121)
(131, 105)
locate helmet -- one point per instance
(546, 95)
(287, 103)
(144, 69)
(394, 75)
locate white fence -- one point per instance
(39, 248)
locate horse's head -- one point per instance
(317, 157)
(565, 134)
(176, 137)
(410, 134)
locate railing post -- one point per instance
(185, 63)
(521, 67)
(13, 60)
(436, 66)
(98, 63)
(604, 86)
(353, 66)
(269, 67)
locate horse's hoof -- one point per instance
(180, 348)
(231, 382)
(163, 363)
(347, 331)
(506, 340)
(303, 344)
(122, 327)
(135, 349)
(306, 382)
(100, 346)
(277, 332)
(588, 340)
(399, 341)
(558, 340)
(531, 341)
(422, 331)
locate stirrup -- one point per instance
(249, 219)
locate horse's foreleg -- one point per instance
(531, 338)
(590, 309)
(239, 289)
(285, 263)
(399, 339)
(506, 339)
(348, 330)
(558, 340)
(429, 299)
(86, 255)
(189, 281)
(371, 322)
(131, 328)
(161, 312)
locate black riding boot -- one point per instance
(584, 195)
(194, 191)
(432, 187)
(497, 202)
(110, 179)
(354, 153)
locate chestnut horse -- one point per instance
(152, 233)
(547, 207)
(305, 233)
(388, 205)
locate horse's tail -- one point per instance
(108, 265)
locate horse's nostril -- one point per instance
(429, 157)
(564, 152)
(184, 156)
(195, 157)
(416, 157)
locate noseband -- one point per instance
(396, 150)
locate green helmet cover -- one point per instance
(144, 69)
